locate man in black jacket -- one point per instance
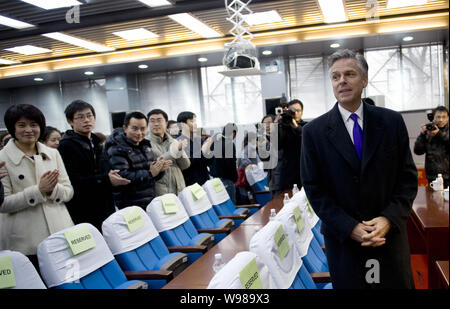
(86, 165)
(197, 172)
(129, 152)
(286, 173)
(360, 179)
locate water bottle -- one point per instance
(295, 189)
(273, 213)
(440, 183)
(218, 263)
(286, 199)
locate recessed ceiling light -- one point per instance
(28, 50)
(335, 45)
(89, 73)
(202, 59)
(53, 4)
(13, 23)
(408, 38)
(332, 10)
(38, 79)
(6, 61)
(391, 4)
(143, 66)
(267, 52)
(263, 18)
(155, 3)
(78, 42)
(195, 25)
(136, 34)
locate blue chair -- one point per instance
(278, 252)
(18, 268)
(176, 229)
(257, 179)
(79, 258)
(137, 246)
(223, 205)
(202, 214)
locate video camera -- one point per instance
(430, 126)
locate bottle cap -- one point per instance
(218, 256)
(439, 175)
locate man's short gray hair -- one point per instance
(349, 54)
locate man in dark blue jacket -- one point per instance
(130, 153)
(360, 179)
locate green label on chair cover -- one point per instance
(169, 205)
(266, 188)
(309, 206)
(133, 219)
(7, 278)
(79, 239)
(250, 276)
(197, 191)
(217, 185)
(298, 219)
(282, 243)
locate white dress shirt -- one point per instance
(348, 121)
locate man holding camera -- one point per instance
(433, 141)
(287, 171)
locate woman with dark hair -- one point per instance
(35, 187)
(51, 137)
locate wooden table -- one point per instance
(428, 230)
(199, 274)
(442, 269)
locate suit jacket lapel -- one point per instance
(372, 134)
(339, 138)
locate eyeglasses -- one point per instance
(82, 117)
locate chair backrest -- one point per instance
(216, 191)
(167, 212)
(75, 253)
(195, 200)
(128, 229)
(277, 251)
(17, 272)
(255, 174)
(308, 213)
(244, 271)
(296, 228)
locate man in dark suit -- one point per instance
(360, 179)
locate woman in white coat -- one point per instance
(35, 187)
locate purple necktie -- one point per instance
(357, 135)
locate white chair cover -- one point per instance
(164, 222)
(25, 274)
(120, 239)
(194, 207)
(59, 266)
(264, 245)
(228, 276)
(254, 174)
(301, 240)
(301, 200)
(216, 198)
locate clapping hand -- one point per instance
(3, 173)
(48, 182)
(116, 179)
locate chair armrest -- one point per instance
(187, 249)
(249, 206)
(261, 192)
(234, 217)
(140, 285)
(323, 249)
(226, 230)
(321, 277)
(149, 275)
